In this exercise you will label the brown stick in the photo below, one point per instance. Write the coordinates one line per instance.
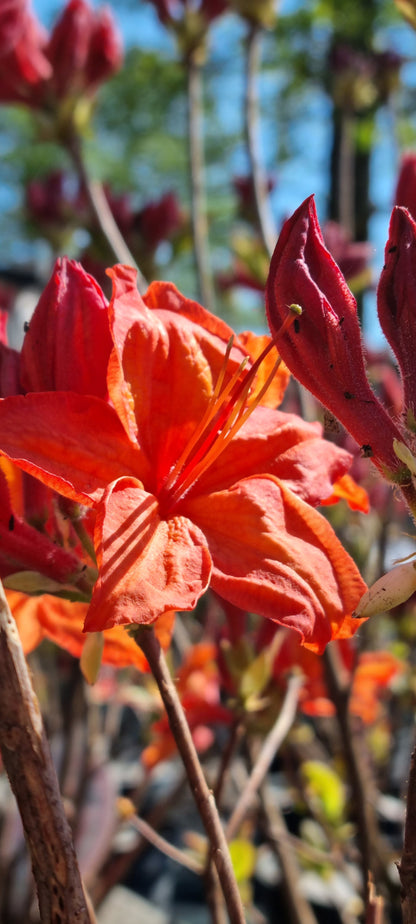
(199, 217)
(32, 776)
(267, 754)
(375, 852)
(258, 174)
(103, 215)
(299, 909)
(204, 799)
(407, 865)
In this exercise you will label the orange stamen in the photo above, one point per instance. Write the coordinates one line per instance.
(227, 411)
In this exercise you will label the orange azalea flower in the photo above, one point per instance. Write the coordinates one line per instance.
(373, 674)
(62, 622)
(194, 483)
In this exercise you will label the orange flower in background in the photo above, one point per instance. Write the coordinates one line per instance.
(62, 622)
(193, 481)
(370, 674)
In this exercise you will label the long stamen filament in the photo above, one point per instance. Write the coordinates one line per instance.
(215, 403)
(227, 411)
(237, 418)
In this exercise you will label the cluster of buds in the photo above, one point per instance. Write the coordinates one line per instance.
(56, 204)
(41, 70)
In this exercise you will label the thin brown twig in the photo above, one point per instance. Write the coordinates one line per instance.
(32, 776)
(212, 885)
(270, 747)
(199, 218)
(252, 130)
(375, 853)
(375, 906)
(298, 907)
(102, 213)
(174, 853)
(407, 865)
(204, 799)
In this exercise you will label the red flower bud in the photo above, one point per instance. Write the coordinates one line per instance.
(105, 53)
(406, 184)
(84, 48)
(323, 347)
(23, 65)
(68, 47)
(68, 343)
(396, 300)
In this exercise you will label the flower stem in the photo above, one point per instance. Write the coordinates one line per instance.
(375, 853)
(32, 776)
(261, 196)
(407, 865)
(102, 213)
(197, 179)
(205, 802)
(267, 754)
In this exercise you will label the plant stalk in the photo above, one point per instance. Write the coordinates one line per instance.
(199, 220)
(102, 213)
(252, 130)
(204, 799)
(28, 763)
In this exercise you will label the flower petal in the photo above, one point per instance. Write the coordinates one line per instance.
(345, 487)
(164, 368)
(73, 443)
(276, 556)
(22, 547)
(62, 622)
(146, 565)
(274, 443)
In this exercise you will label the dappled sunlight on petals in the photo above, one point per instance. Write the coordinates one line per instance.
(146, 565)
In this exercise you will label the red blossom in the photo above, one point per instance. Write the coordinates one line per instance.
(158, 220)
(191, 483)
(62, 622)
(70, 320)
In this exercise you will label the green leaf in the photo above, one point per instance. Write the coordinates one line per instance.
(326, 790)
(34, 583)
(243, 857)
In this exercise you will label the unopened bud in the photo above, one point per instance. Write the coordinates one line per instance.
(393, 588)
